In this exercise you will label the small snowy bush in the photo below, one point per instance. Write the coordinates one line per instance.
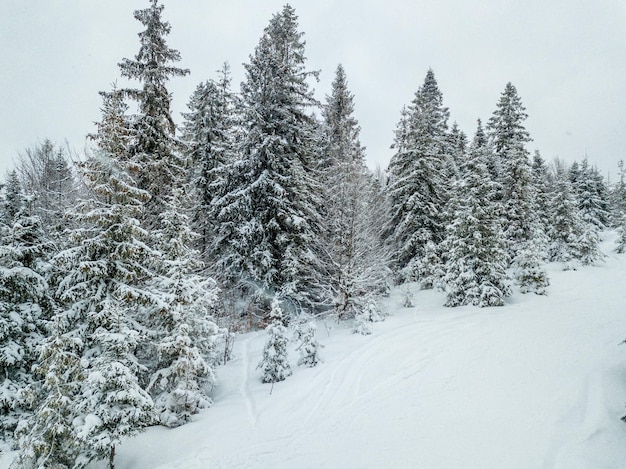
(275, 363)
(309, 346)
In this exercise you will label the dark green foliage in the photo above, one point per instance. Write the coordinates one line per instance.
(209, 137)
(417, 187)
(474, 248)
(26, 306)
(268, 215)
(153, 145)
(507, 132)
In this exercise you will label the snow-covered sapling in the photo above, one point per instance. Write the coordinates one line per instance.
(621, 241)
(530, 273)
(365, 316)
(588, 246)
(309, 346)
(408, 298)
(275, 362)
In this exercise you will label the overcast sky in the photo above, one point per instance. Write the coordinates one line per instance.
(566, 58)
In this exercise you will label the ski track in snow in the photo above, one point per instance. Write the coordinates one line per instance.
(244, 387)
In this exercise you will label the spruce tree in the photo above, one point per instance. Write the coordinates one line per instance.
(541, 183)
(506, 126)
(509, 136)
(475, 254)
(45, 173)
(184, 332)
(268, 215)
(366, 317)
(356, 259)
(618, 197)
(309, 346)
(417, 176)
(11, 198)
(153, 145)
(26, 306)
(621, 240)
(111, 403)
(275, 365)
(589, 245)
(530, 274)
(567, 226)
(209, 136)
(457, 146)
(573, 174)
(47, 439)
(592, 196)
(114, 130)
(106, 269)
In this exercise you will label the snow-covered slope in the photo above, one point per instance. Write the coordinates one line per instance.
(540, 383)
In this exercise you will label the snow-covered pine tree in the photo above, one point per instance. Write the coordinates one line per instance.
(507, 131)
(184, 333)
(47, 438)
(618, 197)
(589, 245)
(592, 194)
(209, 135)
(457, 146)
(114, 130)
(362, 324)
(269, 220)
(408, 297)
(506, 126)
(106, 271)
(572, 237)
(45, 173)
(566, 227)
(366, 316)
(573, 174)
(603, 195)
(541, 183)
(111, 404)
(25, 306)
(475, 254)
(275, 362)
(530, 273)
(11, 198)
(417, 184)
(154, 146)
(621, 241)
(341, 128)
(356, 258)
(309, 346)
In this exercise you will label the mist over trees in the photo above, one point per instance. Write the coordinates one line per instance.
(123, 272)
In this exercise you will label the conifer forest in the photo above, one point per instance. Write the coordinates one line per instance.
(128, 273)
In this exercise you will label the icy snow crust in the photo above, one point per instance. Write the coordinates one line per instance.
(539, 383)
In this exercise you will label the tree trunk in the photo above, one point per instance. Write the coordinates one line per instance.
(112, 457)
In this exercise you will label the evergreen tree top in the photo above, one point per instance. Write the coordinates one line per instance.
(428, 109)
(506, 124)
(341, 126)
(153, 67)
(279, 60)
(150, 62)
(480, 137)
(114, 129)
(12, 198)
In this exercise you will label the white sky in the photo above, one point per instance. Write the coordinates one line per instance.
(566, 58)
